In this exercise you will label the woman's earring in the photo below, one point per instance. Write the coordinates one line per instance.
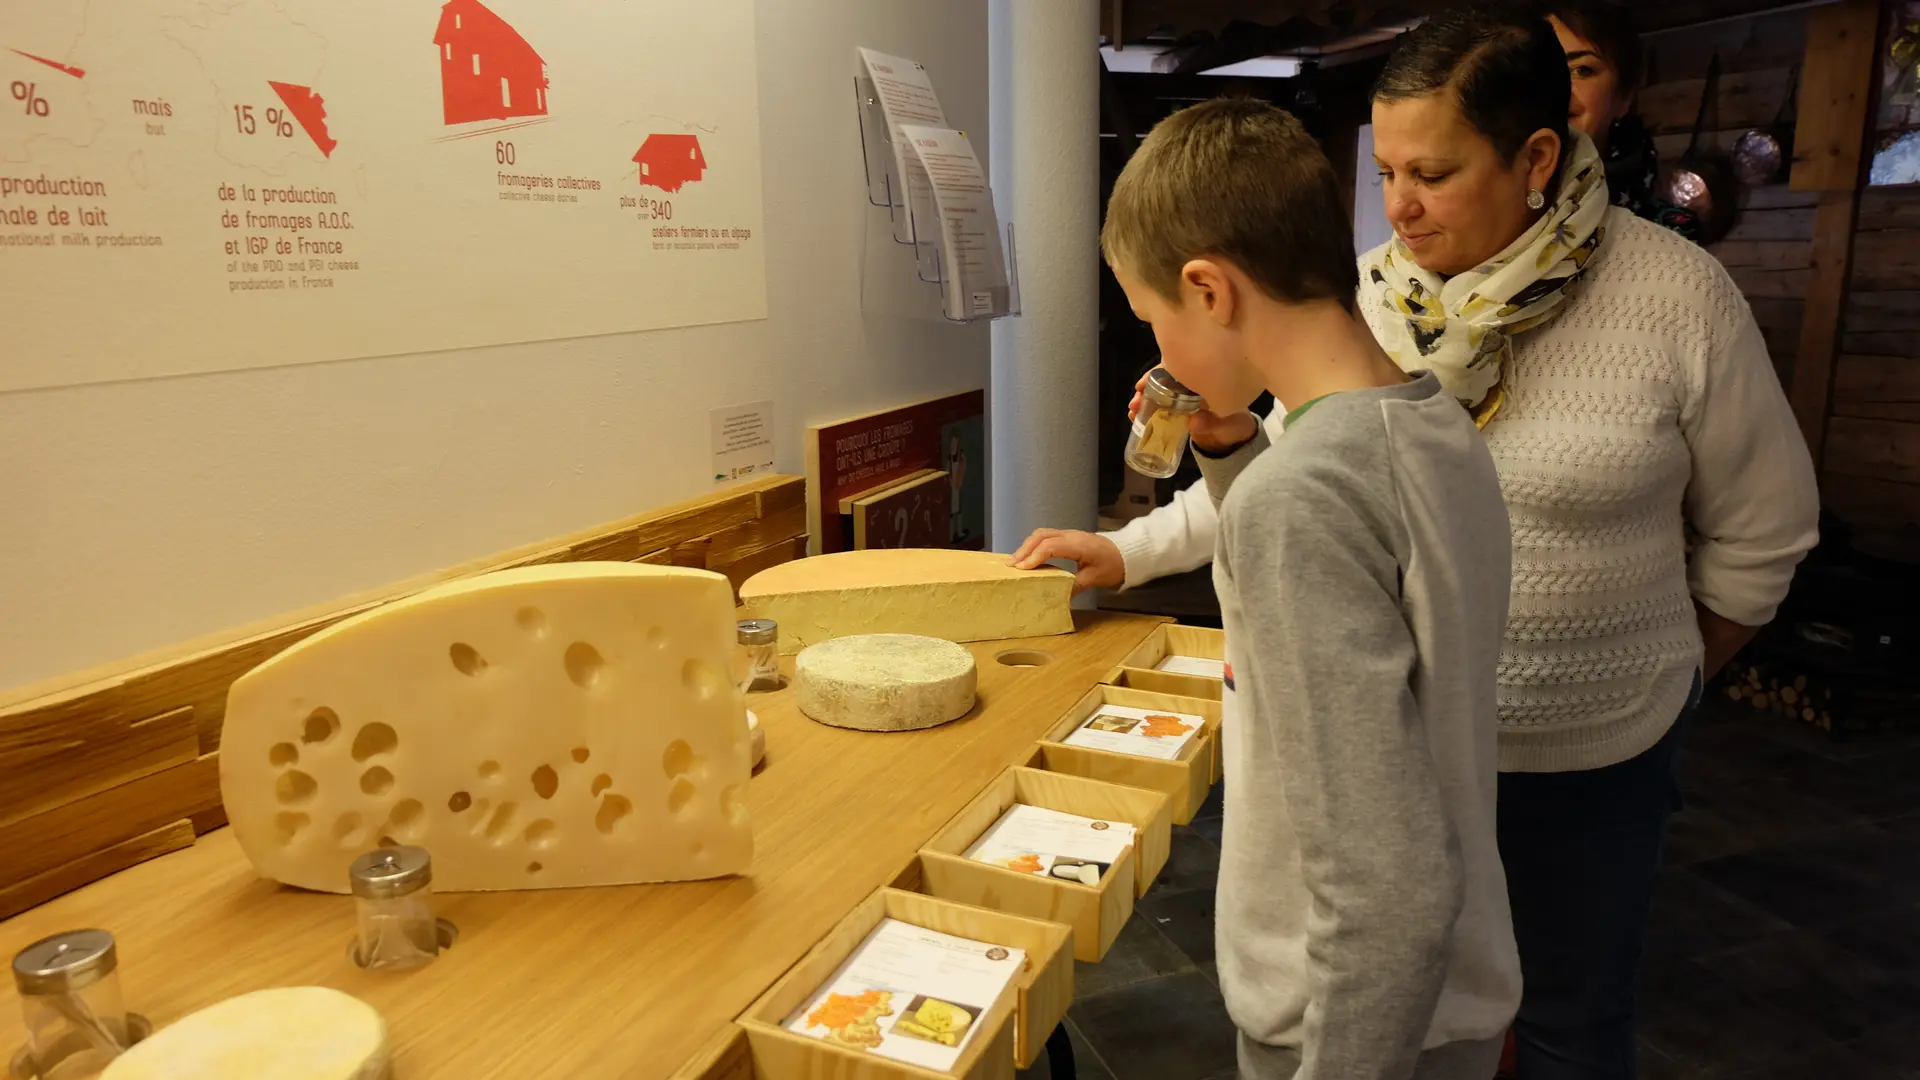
(1536, 198)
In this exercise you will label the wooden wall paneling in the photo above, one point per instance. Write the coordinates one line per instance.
(1886, 260)
(1870, 502)
(1878, 387)
(1836, 90)
(1836, 94)
(89, 868)
(1875, 449)
(1759, 43)
(1789, 224)
(1745, 99)
(1764, 254)
(1889, 208)
(91, 768)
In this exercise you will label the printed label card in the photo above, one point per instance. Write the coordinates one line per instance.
(1140, 732)
(1048, 843)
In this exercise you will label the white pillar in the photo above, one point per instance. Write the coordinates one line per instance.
(1044, 156)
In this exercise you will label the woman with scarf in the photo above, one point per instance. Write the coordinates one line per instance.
(1622, 386)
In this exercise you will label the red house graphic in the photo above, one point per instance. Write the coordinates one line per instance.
(487, 70)
(670, 162)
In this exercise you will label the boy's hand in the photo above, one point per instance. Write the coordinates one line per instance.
(1216, 434)
(1098, 558)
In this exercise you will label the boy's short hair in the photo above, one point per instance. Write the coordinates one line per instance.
(1241, 180)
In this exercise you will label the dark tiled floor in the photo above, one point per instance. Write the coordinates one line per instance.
(1785, 942)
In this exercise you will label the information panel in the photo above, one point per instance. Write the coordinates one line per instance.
(203, 185)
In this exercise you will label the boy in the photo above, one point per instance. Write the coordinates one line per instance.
(1362, 571)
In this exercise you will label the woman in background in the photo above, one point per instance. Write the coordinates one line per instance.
(1604, 63)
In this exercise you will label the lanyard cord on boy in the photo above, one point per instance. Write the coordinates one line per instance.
(1461, 328)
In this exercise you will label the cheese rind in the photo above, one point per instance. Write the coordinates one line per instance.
(288, 1033)
(935, 592)
(545, 727)
(885, 682)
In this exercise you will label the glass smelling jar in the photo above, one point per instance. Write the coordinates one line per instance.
(1159, 438)
(758, 661)
(393, 897)
(70, 989)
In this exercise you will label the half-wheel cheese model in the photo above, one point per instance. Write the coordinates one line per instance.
(287, 1033)
(935, 592)
(536, 728)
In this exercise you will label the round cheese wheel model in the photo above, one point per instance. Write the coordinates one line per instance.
(885, 682)
(289, 1033)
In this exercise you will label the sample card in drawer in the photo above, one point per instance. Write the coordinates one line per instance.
(1140, 732)
(911, 994)
(1048, 843)
(1193, 665)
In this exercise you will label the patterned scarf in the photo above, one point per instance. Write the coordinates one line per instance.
(1461, 328)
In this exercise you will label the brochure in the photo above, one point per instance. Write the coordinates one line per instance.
(1048, 843)
(1141, 732)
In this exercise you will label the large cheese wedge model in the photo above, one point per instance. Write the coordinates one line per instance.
(935, 592)
(885, 682)
(533, 728)
(288, 1033)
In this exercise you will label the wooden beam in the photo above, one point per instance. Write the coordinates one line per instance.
(1835, 111)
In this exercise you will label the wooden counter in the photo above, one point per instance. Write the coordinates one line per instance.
(637, 981)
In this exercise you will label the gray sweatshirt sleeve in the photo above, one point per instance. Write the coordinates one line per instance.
(1327, 654)
(1220, 472)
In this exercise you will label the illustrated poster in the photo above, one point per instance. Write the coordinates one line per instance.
(204, 185)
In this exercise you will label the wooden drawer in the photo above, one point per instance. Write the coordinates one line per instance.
(1185, 781)
(1095, 912)
(1137, 669)
(1040, 994)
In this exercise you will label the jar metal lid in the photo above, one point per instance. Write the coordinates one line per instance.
(65, 962)
(1168, 393)
(387, 873)
(759, 632)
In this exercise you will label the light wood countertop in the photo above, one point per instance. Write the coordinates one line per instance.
(631, 982)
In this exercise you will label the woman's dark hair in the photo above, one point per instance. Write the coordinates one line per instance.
(1609, 26)
(1502, 63)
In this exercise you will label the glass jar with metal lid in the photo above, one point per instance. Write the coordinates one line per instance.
(70, 989)
(1159, 438)
(393, 897)
(758, 663)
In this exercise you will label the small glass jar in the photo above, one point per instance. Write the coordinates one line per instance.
(759, 656)
(1159, 438)
(393, 897)
(70, 989)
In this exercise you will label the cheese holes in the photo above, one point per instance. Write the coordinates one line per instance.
(346, 829)
(322, 724)
(295, 787)
(600, 784)
(406, 818)
(466, 658)
(489, 770)
(373, 740)
(532, 620)
(733, 803)
(613, 810)
(376, 781)
(480, 808)
(581, 754)
(288, 826)
(459, 801)
(283, 754)
(534, 868)
(583, 664)
(680, 796)
(540, 834)
(678, 759)
(501, 823)
(388, 841)
(700, 679)
(656, 637)
(545, 781)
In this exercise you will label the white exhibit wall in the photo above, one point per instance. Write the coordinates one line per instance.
(137, 515)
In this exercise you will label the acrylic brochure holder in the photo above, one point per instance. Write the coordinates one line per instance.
(915, 228)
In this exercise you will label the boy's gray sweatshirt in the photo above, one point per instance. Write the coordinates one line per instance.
(1363, 573)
